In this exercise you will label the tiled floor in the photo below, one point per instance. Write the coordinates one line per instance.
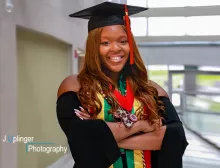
(199, 154)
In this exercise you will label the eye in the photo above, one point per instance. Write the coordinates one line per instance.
(123, 42)
(105, 43)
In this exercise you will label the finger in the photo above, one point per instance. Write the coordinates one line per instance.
(83, 110)
(81, 117)
(157, 123)
(82, 113)
(161, 124)
(85, 113)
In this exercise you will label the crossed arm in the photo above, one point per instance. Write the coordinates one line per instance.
(126, 138)
(141, 136)
(146, 141)
(150, 139)
(170, 140)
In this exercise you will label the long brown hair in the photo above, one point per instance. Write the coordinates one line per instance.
(92, 77)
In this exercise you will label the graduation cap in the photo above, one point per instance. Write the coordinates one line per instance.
(107, 14)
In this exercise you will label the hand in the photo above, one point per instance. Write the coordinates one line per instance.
(157, 123)
(82, 113)
(145, 126)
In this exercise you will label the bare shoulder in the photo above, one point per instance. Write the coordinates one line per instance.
(70, 83)
(161, 91)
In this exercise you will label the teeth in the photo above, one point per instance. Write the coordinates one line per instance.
(115, 58)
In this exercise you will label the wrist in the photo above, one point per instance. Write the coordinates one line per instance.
(139, 126)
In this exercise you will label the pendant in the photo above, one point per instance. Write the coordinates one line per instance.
(126, 117)
(133, 117)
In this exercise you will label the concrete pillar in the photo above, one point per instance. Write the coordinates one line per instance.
(8, 84)
(190, 78)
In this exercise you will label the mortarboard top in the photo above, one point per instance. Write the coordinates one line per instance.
(107, 14)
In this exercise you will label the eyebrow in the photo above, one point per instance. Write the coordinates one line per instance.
(121, 36)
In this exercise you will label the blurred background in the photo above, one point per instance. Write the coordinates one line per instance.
(179, 41)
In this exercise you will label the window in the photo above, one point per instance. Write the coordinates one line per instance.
(203, 25)
(142, 3)
(208, 83)
(159, 74)
(202, 2)
(176, 100)
(180, 26)
(178, 82)
(176, 67)
(157, 67)
(209, 68)
(166, 26)
(203, 103)
(181, 3)
(139, 26)
(165, 3)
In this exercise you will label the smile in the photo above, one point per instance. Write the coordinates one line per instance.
(115, 59)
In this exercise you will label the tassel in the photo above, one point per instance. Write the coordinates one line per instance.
(127, 24)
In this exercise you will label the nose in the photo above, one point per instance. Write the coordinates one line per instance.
(115, 47)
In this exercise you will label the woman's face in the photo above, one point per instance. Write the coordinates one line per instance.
(114, 48)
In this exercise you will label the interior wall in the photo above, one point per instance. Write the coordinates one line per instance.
(0, 82)
(42, 64)
(8, 79)
(49, 17)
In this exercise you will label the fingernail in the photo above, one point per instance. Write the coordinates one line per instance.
(81, 108)
(76, 110)
(78, 115)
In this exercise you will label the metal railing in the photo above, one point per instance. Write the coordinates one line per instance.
(201, 114)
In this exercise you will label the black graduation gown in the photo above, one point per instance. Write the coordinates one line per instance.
(92, 143)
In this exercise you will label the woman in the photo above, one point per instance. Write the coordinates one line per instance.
(111, 112)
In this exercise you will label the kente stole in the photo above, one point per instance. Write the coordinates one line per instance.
(134, 158)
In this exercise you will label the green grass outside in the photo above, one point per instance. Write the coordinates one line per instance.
(205, 80)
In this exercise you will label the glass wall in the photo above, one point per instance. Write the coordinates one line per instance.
(159, 74)
(181, 3)
(172, 3)
(208, 83)
(199, 109)
(176, 26)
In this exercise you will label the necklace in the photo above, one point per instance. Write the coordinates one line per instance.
(125, 101)
(125, 104)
